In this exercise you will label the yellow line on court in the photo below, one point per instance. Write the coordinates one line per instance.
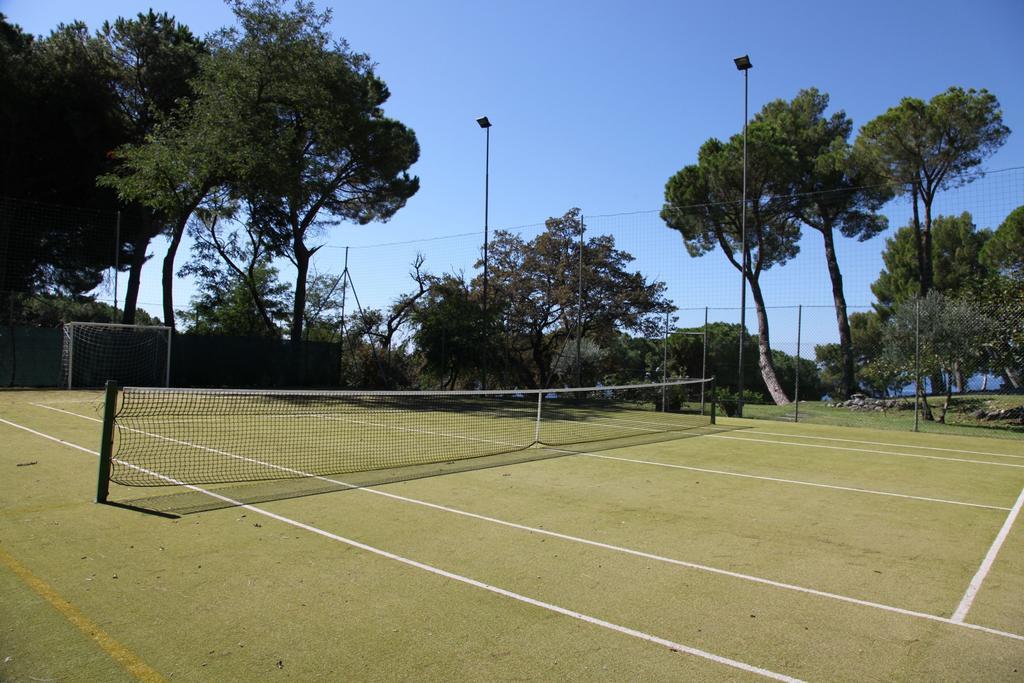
(118, 652)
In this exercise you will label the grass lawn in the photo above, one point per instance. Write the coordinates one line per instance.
(959, 418)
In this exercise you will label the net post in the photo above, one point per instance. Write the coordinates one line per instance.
(70, 327)
(107, 443)
(536, 430)
(714, 401)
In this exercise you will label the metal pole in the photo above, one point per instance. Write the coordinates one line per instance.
(344, 291)
(536, 429)
(664, 363)
(704, 360)
(796, 387)
(917, 362)
(117, 260)
(579, 313)
(106, 442)
(487, 200)
(69, 331)
(743, 249)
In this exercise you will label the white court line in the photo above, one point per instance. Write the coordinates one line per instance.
(881, 443)
(98, 400)
(990, 557)
(794, 481)
(865, 450)
(629, 551)
(703, 654)
(682, 467)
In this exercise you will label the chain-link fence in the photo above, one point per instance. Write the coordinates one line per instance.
(581, 300)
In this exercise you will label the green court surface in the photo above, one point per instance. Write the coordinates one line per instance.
(749, 550)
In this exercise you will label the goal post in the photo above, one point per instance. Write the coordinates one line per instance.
(131, 355)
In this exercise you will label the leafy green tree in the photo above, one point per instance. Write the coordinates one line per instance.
(225, 303)
(58, 119)
(51, 310)
(704, 203)
(314, 145)
(1000, 298)
(686, 357)
(228, 250)
(172, 174)
(536, 284)
(956, 261)
(325, 306)
(873, 375)
(928, 147)
(1005, 251)
(448, 333)
(952, 334)
(387, 332)
(834, 191)
(152, 61)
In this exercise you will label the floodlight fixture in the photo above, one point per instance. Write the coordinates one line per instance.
(484, 123)
(743, 63)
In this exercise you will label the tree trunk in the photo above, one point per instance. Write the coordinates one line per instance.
(945, 404)
(927, 278)
(847, 381)
(302, 255)
(131, 295)
(918, 244)
(764, 348)
(926, 410)
(168, 270)
(1012, 377)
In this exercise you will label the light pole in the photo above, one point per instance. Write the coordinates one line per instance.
(486, 125)
(743, 64)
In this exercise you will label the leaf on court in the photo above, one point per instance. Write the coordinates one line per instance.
(27, 464)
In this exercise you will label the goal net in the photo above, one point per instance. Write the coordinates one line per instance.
(132, 355)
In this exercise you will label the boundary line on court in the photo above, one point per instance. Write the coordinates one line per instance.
(672, 645)
(990, 557)
(638, 553)
(864, 450)
(127, 659)
(797, 482)
(882, 443)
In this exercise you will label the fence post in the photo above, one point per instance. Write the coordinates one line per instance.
(796, 382)
(664, 362)
(704, 360)
(117, 261)
(107, 443)
(714, 401)
(917, 362)
(579, 311)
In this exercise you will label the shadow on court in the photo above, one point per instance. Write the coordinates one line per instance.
(184, 502)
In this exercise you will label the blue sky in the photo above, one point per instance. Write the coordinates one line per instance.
(595, 104)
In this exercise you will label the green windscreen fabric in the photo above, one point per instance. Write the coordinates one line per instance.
(30, 356)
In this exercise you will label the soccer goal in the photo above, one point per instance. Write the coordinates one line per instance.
(133, 355)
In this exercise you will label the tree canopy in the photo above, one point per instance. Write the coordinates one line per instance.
(535, 285)
(832, 190)
(927, 147)
(956, 261)
(703, 202)
(1004, 252)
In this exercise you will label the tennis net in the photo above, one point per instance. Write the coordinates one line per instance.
(199, 436)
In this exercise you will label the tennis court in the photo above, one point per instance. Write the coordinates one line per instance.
(744, 550)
